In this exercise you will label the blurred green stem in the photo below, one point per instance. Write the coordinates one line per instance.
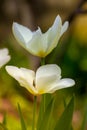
(34, 112)
(43, 63)
(44, 101)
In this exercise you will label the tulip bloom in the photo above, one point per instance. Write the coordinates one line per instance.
(46, 80)
(4, 57)
(38, 43)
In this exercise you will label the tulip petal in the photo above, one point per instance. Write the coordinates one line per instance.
(64, 27)
(4, 51)
(42, 44)
(24, 76)
(22, 34)
(4, 57)
(63, 83)
(36, 45)
(53, 34)
(46, 76)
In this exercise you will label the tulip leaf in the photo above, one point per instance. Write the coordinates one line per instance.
(23, 126)
(41, 112)
(45, 122)
(84, 123)
(64, 123)
(4, 120)
(3, 124)
(48, 98)
(65, 105)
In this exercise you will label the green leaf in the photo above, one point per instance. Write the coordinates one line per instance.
(40, 113)
(64, 123)
(23, 126)
(45, 122)
(4, 120)
(84, 123)
(48, 98)
(65, 105)
(3, 124)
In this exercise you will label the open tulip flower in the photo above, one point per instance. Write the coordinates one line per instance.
(46, 80)
(38, 43)
(4, 57)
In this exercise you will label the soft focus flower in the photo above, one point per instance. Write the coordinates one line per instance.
(38, 43)
(46, 80)
(4, 57)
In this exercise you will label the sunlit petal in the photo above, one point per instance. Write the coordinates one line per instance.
(28, 74)
(47, 79)
(63, 83)
(38, 43)
(24, 76)
(21, 33)
(54, 34)
(46, 76)
(64, 27)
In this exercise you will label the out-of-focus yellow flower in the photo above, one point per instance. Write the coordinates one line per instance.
(4, 57)
(46, 80)
(38, 43)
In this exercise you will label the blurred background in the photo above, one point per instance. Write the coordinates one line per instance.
(70, 55)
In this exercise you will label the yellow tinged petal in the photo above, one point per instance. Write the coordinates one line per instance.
(47, 75)
(38, 43)
(24, 76)
(63, 83)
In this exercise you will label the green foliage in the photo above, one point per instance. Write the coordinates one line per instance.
(65, 105)
(64, 123)
(45, 121)
(48, 98)
(40, 113)
(84, 123)
(4, 120)
(23, 126)
(3, 124)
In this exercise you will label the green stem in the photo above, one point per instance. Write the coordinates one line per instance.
(34, 112)
(44, 101)
(42, 61)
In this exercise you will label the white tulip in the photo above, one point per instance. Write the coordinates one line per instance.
(38, 43)
(4, 57)
(46, 80)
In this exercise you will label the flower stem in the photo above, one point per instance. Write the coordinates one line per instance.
(44, 101)
(42, 61)
(34, 112)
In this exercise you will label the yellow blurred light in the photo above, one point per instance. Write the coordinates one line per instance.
(80, 29)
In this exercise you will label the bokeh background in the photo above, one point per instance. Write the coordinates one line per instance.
(70, 55)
